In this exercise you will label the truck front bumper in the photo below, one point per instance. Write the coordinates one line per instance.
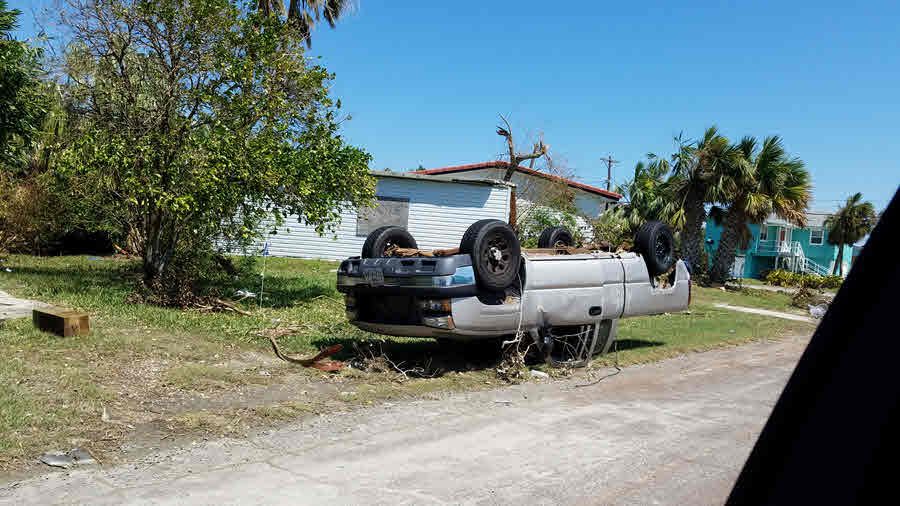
(451, 276)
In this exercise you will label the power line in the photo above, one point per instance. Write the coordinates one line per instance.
(609, 163)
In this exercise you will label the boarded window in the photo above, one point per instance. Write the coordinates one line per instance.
(388, 211)
(816, 236)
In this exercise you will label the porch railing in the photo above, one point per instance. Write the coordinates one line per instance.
(780, 247)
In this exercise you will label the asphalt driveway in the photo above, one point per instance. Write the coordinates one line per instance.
(674, 432)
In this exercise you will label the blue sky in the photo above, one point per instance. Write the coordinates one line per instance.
(425, 80)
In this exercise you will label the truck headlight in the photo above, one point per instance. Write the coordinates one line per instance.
(439, 322)
(435, 305)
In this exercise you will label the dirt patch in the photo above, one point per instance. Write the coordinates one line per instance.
(153, 403)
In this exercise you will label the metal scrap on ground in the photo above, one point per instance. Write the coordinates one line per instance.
(65, 460)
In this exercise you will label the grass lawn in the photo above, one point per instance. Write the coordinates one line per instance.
(161, 372)
(704, 326)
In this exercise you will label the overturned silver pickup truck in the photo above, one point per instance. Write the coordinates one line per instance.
(492, 288)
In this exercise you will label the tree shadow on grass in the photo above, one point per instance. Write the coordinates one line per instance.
(124, 278)
(285, 292)
(76, 277)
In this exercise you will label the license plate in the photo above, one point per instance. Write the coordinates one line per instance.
(375, 278)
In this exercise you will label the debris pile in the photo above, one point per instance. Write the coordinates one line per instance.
(805, 297)
(370, 357)
(395, 251)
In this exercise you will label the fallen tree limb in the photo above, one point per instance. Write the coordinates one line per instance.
(311, 362)
(123, 252)
(232, 307)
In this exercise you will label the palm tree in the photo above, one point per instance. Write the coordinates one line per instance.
(697, 180)
(853, 221)
(305, 13)
(765, 181)
(646, 193)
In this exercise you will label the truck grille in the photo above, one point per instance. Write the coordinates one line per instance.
(392, 309)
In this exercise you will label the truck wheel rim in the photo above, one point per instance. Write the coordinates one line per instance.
(489, 254)
(663, 248)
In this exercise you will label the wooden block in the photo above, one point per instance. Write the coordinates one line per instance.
(62, 322)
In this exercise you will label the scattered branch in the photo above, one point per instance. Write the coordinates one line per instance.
(382, 363)
(311, 362)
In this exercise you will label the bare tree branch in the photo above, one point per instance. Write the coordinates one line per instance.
(540, 149)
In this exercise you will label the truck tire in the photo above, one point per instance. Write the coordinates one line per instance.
(656, 243)
(495, 252)
(382, 238)
(555, 236)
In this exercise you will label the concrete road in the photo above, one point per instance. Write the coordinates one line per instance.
(675, 432)
(11, 307)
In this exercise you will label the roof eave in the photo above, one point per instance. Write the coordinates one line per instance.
(499, 164)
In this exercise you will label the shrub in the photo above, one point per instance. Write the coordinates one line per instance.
(811, 281)
(540, 218)
(832, 281)
(29, 217)
(611, 227)
(779, 277)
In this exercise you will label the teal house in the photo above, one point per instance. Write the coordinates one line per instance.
(777, 244)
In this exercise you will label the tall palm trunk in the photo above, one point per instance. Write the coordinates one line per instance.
(723, 259)
(692, 233)
(839, 264)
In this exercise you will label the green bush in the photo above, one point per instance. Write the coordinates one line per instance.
(779, 277)
(812, 281)
(832, 281)
(541, 218)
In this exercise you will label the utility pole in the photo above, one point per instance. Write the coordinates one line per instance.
(609, 163)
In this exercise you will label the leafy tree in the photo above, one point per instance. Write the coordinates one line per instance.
(193, 121)
(853, 221)
(765, 181)
(698, 178)
(304, 14)
(22, 101)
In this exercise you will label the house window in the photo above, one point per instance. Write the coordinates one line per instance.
(816, 236)
(763, 233)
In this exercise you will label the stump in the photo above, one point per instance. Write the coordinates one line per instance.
(62, 322)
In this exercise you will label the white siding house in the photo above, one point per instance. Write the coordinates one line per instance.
(436, 210)
(531, 184)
